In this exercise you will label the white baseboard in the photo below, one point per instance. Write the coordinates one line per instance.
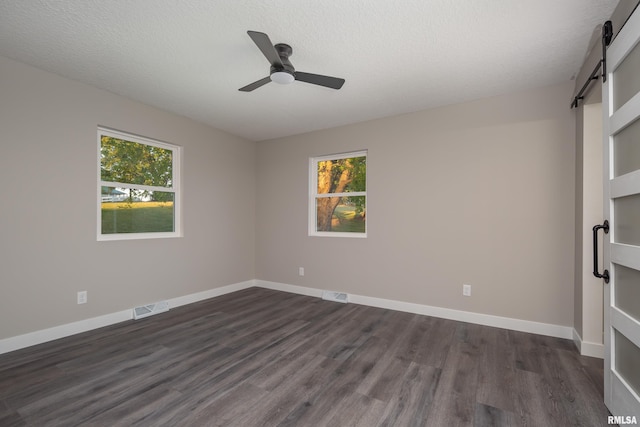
(587, 348)
(300, 290)
(56, 332)
(211, 293)
(50, 334)
(558, 331)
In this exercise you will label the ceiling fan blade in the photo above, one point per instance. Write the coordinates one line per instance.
(266, 47)
(317, 79)
(255, 85)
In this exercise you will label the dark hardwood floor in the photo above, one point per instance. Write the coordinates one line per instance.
(264, 358)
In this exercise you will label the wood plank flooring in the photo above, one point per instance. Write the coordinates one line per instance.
(265, 358)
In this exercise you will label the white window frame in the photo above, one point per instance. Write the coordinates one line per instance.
(175, 188)
(313, 194)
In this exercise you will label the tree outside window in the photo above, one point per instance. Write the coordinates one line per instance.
(339, 195)
(138, 191)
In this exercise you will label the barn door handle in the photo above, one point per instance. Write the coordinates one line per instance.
(605, 273)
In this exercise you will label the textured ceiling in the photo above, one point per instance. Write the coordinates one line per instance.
(190, 57)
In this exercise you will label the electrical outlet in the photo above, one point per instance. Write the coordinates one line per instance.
(82, 297)
(466, 290)
(300, 271)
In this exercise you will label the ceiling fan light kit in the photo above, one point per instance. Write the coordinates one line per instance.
(282, 77)
(282, 71)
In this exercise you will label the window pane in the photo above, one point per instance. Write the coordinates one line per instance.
(341, 214)
(627, 149)
(134, 163)
(627, 291)
(627, 360)
(626, 79)
(342, 175)
(127, 210)
(627, 211)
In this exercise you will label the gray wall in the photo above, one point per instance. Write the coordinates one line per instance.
(479, 193)
(48, 217)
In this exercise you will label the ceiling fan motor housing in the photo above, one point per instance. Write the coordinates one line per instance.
(284, 51)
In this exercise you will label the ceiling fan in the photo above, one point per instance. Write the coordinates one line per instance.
(282, 70)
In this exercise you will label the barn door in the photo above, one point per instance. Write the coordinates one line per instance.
(621, 106)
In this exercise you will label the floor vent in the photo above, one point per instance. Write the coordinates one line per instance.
(335, 296)
(150, 309)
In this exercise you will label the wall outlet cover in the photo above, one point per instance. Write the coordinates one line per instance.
(466, 290)
(82, 297)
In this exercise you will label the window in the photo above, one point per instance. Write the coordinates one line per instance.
(138, 187)
(338, 195)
